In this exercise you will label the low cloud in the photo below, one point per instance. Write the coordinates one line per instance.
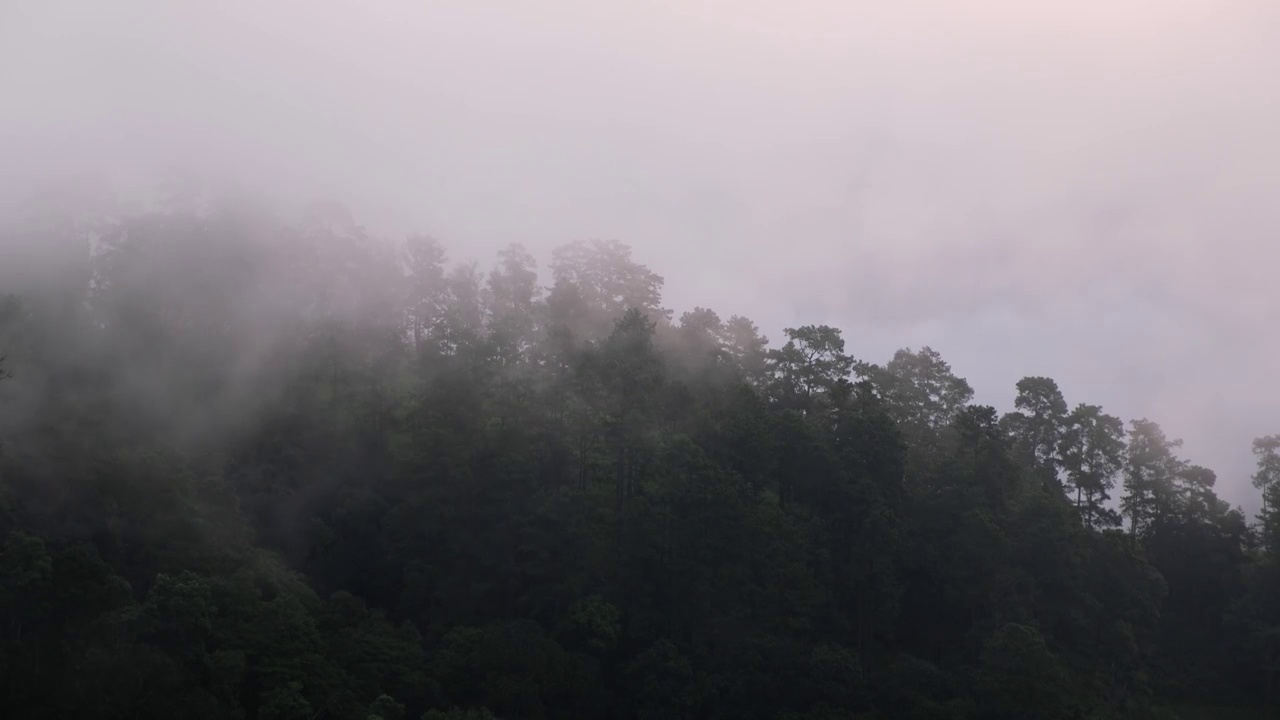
(1083, 192)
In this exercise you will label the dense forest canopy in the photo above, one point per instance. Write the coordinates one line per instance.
(252, 468)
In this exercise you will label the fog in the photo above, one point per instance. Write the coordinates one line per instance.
(1078, 192)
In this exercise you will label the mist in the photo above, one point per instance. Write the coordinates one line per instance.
(424, 342)
(1079, 192)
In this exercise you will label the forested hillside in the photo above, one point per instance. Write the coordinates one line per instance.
(278, 470)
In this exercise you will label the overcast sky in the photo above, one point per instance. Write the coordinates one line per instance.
(1086, 191)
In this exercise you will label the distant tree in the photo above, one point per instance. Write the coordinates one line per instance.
(1092, 451)
(747, 348)
(1267, 480)
(631, 374)
(608, 282)
(700, 333)
(1150, 470)
(461, 326)
(810, 367)
(269, 469)
(924, 397)
(512, 296)
(425, 296)
(1038, 424)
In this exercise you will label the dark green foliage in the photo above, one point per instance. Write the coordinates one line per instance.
(252, 471)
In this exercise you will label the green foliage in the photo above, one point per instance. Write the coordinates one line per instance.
(459, 714)
(385, 707)
(253, 470)
(595, 623)
(1020, 676)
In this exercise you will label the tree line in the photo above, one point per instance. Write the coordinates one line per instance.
(260, 469)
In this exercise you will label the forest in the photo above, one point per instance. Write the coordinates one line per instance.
(265, 468)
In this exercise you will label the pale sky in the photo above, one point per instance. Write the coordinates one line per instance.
(1081, 190)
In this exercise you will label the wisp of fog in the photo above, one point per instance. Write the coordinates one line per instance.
(1077, 191)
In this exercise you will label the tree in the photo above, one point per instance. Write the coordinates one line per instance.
(260, 468)
(810, 367)
(924, 397)
(1267, 480)
(459, 714)
(632, 374)
(425, 287)
(1151, 470)
(747, 349)
(511, 297)
(461, 325)
(1038, 423)
(608, 282)
(1092, 451)
(660, 683)
(699, 336)
(1021, 678)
